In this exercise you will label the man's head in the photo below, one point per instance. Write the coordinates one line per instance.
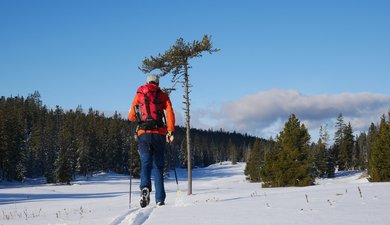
(152, 79)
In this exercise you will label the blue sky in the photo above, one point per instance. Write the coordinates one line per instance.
(312, 58)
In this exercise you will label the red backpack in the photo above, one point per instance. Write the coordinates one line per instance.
(149, 111)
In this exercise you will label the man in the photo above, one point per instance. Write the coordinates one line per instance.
(154, 129)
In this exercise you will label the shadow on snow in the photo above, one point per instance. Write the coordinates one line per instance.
(11, 198)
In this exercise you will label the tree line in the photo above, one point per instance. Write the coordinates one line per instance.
(293, 161)
(36, 141)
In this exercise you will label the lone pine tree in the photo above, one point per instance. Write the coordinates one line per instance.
(176, 61)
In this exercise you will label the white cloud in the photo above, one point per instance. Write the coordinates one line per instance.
(265, 113)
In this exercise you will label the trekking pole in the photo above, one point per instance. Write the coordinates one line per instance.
(177, 183)
(130, 168)
(174, 169)
(130, 180)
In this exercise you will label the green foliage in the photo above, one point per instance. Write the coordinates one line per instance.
(320, 158)
(379, 161)
(13, 149)
(330, 164)
(360, 154)
(232, 149)
(134, 160)
(269, 170)
(323, 165)
(36, 141)
(338, 138)
(346, 148)
(66, 161)
(176, 58)
(344, 145)
(290, 163)
(210, 146)
(255, 161)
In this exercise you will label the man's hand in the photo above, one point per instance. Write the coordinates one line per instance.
(169, 137)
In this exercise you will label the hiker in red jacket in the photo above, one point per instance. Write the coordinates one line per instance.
(153, 113)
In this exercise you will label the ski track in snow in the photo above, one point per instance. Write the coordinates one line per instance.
(134, 217)
(121, 218)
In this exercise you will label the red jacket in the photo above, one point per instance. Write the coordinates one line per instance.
(170, 115)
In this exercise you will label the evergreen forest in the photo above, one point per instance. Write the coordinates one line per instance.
(293, 161)
(36, 141)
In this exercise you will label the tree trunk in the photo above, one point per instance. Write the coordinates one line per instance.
(187, 98)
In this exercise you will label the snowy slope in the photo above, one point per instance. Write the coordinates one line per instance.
(221, 196)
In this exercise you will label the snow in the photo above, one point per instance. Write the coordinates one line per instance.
(221, 195)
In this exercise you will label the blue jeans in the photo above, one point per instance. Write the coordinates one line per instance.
(152, 154)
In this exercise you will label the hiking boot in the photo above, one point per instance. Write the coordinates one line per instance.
(160, 203)
(145, 197)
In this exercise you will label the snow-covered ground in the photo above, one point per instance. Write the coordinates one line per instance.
(221, 195)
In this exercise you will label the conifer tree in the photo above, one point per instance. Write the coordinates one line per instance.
(3, 138)
(330, 163)
(379, 162)
(290, 164)
(196, 149)
(372, 135)
(176, 62)
(83, 160)
(51, 148)
(232, 149)
(37, 159)
(134, 160)
(338, 138)
(344, 144)
(320, 158)
(13, 136)
(360, 156)
(269, 171)
(329, 155)
(320, 152)
(66, 161)
(347, 148)
(255, 161)
(97, 140)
